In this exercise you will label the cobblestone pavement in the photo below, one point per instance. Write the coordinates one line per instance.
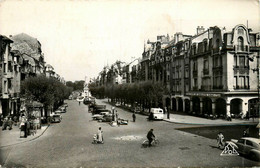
(69, 144)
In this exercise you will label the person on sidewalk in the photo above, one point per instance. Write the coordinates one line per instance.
(229, 116)
(134, 117)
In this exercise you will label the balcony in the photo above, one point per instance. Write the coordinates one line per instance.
(205, 88)
(241, 48)
(8, 74)
(238, 87)
(241, 69)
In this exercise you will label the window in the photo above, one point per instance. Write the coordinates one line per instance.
(249, 143)
(242, 61)
(240, 43)
(235, 80)
(242, 141)
(242, 81)
(206, 64)
(240, 31)
(235, 60)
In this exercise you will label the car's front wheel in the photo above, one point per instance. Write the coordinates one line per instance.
(253, 156)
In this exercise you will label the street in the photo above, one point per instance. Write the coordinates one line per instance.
(69, 144)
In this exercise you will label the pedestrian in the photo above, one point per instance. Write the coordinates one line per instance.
(247, 115)
(15, 120)
(25, 129)
(10, 123)
(151, 116)
(5, 123)
(134, 117)
(165, 110)
(1, 119)
(116, 115)
(150, 136)
(220, 140)
(100, 136)
(79, 103)
(229, 116)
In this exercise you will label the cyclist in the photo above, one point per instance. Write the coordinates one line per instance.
(150, 136)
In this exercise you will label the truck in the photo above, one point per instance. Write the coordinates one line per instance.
(157, 113)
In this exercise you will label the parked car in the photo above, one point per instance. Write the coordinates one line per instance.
(80, 98)
(117, 104)
(58, 111)
(247, 146)
(62, 109)
(56, 118)
(107, 118)
(101, 115)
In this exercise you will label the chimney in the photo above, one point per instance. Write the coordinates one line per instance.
(200, 30)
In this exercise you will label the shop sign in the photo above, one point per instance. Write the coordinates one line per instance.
(204, 94)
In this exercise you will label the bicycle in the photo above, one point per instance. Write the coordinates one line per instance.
(145, 143)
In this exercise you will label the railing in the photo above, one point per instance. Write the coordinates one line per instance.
(240, 87)
(241, 48)
(218, 87)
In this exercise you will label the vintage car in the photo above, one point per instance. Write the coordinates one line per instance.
(101, 115)
(56, 118)
(247, 146)
(62, 109)
(117, 104)
(107, 118)
(122, 121)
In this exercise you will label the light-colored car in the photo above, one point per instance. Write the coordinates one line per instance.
(62, 109)
(56, 117)
(247, 146)
(80, 98)
(117, 104)
(101, 115)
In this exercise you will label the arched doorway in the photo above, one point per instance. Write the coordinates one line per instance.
(173, 104)
(187, 105)
(180, 104)
(236, 107)
(207, 106)
(221, 107)
(167, 102)
(196, 105)
(253, 107)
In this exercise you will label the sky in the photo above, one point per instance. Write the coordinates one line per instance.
(80, 37)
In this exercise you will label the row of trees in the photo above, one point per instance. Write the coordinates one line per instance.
(49, 91)
(147, 94)
(77, 85)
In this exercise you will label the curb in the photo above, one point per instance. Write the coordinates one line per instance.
(26, 140)
(209, 124)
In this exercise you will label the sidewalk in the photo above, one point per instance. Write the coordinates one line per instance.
(192, 120)
(12, 137)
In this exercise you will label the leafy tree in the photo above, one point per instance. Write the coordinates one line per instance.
(49, 91)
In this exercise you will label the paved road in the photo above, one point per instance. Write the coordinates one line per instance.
(68, 144)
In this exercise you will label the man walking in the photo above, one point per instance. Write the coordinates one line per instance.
(134, 117)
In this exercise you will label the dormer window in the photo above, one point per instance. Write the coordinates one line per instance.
(240, 43)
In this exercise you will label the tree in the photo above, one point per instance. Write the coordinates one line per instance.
(49, 91)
